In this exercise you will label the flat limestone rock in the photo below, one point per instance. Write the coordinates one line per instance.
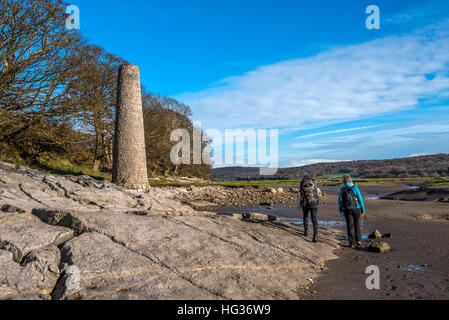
(28, 189)
(108, 270)
(21, 235)
(132, 245)
(227, 258)
(34, 279)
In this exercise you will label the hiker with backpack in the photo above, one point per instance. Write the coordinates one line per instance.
(350, 203)
(309, 203)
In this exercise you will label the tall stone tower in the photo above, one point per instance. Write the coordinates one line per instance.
(129, 164)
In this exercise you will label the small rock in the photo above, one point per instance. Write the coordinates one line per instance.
(272, 190)
(376, 234)
(9, 163)
(238, 216)
(379, 247)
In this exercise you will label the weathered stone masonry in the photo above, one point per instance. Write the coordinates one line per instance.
(129, 166)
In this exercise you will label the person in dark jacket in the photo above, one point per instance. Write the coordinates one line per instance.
(309, 203)
(352, 199)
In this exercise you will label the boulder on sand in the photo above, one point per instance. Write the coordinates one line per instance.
(376, 234)
(379, 247)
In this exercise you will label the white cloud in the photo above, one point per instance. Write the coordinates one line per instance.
(349, 82)
(300, 163)
(417, 155)
(425, 14)
(375, 139)
(335, 131)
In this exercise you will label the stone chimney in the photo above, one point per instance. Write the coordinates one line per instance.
(129, 164)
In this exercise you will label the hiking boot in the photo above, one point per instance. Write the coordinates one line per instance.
(352, 245)
(315, 240)
(359, 244)
(306, 233)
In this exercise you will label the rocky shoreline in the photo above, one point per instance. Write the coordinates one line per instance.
(209, 197)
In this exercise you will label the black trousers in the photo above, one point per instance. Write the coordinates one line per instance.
(353, 224)
(314, 214)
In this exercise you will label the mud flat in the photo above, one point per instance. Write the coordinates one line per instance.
(417, 266)
(421, 194)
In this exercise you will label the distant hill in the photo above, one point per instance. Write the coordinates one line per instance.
(422, 166)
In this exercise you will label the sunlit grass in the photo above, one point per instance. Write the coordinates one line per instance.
(59, 166)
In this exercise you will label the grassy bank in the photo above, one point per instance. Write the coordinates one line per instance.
(65, 167)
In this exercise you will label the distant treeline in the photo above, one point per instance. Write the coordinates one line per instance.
(58, 95)
(423, 166)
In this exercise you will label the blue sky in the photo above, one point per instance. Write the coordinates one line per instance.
(333, 88)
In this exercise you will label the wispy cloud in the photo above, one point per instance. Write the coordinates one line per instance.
(300, 163)
(363, 84)
(349, 82)
(375, 140)
(431, 12)
(323, 133)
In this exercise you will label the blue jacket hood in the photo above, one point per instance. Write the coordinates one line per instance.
(357, 193)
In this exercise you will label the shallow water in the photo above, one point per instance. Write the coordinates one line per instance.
(325, 223)
(415, 268)
(290, 215)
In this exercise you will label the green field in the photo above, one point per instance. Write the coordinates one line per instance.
(429, 181)
(65, 167)
(441, 184)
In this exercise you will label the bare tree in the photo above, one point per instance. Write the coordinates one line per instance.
(92, 92)
(35, 58)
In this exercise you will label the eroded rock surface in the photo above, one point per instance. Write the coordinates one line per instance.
(128, 245)
(21, 235)
(35, 278)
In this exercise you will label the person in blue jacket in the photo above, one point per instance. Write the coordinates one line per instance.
(350, 204)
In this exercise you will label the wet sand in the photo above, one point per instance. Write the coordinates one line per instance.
(417, 266)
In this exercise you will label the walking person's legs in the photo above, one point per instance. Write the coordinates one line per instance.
(314, 214)
(306, 220)
(350, 226)
(357, 213)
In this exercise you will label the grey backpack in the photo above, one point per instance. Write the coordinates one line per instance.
(309, 195)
